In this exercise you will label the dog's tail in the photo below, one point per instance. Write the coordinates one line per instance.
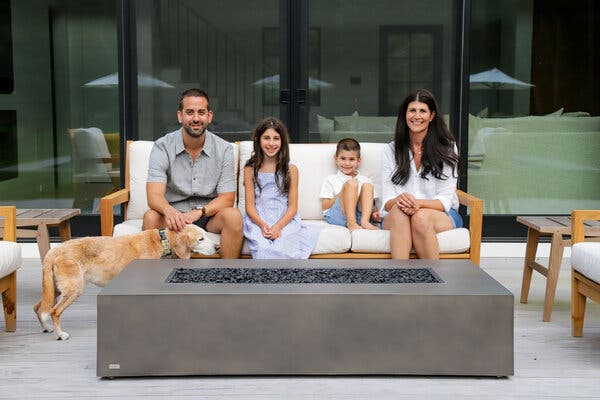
(48, 287)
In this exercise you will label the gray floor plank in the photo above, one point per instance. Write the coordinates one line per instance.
(549, 363)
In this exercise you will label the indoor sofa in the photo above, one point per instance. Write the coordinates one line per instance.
(514, 163)
(314, 162)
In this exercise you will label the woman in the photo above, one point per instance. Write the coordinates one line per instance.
(419, 176)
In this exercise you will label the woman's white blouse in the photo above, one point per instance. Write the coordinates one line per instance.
(443, 190)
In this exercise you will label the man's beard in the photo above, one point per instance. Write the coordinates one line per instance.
(193, 133)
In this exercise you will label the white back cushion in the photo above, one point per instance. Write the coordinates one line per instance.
(139, 156)
(315, 162)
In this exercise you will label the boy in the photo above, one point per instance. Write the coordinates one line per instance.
(346, 194)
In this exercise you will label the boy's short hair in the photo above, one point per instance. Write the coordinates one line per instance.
(348, 144)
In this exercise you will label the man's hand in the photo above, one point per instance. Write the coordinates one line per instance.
(176, 220)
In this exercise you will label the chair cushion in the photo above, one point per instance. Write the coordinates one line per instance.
(367, 241)
(585, 258)
(128, 227)
(10, 257)
(139, 155)
(332, 238)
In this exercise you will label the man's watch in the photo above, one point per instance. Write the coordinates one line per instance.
(203, 209)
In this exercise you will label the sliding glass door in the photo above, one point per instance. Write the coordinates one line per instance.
(229, 48)
(328, 69)
(364, 57)
(59, 108)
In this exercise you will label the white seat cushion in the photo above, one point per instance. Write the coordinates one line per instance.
(10, 257)
(332, 238)
(128, 227)
(368, 241)
(585, 258)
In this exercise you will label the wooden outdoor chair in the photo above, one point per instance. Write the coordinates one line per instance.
(585, 269)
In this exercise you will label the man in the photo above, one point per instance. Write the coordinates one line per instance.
(191, 177)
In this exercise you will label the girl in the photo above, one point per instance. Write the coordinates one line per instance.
(419, 176)
(272, 226)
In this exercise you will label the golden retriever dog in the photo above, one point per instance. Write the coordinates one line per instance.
(67, 268)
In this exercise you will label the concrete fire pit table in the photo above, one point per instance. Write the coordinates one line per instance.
(459, 322)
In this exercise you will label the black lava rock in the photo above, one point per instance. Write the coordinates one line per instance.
(301, 275)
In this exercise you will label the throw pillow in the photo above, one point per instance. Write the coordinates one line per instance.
(556, 113)
(325, 125)
(576, 114)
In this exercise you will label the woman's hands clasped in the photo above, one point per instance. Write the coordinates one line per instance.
(407, 203)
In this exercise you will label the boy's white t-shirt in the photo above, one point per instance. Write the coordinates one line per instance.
(332, 185)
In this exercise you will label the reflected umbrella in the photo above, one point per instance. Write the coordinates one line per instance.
(112, 80)
(272, 82)
(496, 80)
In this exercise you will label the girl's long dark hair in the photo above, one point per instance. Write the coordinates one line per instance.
(438, 145)
(282, 171)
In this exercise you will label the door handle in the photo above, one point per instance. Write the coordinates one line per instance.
(301, 96)
(284, 96)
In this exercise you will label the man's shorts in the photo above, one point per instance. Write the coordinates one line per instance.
(202, 222)
(335, 215)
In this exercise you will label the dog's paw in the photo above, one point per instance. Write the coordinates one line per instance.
(63, 336)
(48, 329)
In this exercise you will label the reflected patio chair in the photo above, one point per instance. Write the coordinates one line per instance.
(94, 171)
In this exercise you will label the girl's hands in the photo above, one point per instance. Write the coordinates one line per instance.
(266, 231)
(271, 232)
(275, 232)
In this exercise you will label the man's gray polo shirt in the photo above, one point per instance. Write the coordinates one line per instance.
(192, 183)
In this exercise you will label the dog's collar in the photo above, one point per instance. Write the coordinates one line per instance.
(165, 242)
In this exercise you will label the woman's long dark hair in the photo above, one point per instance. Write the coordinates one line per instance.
(283, 156)
(438, 145)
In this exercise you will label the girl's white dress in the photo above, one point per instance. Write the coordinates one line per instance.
(297, 240)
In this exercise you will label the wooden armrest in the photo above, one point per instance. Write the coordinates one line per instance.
(107, 218)
(467, 199)
(577, 218)
(113, 159)
(475, 206)
(10, 222)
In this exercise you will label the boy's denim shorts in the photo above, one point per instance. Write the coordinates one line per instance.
(335, 215)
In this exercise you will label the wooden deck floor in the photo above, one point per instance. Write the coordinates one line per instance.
(549, 363)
